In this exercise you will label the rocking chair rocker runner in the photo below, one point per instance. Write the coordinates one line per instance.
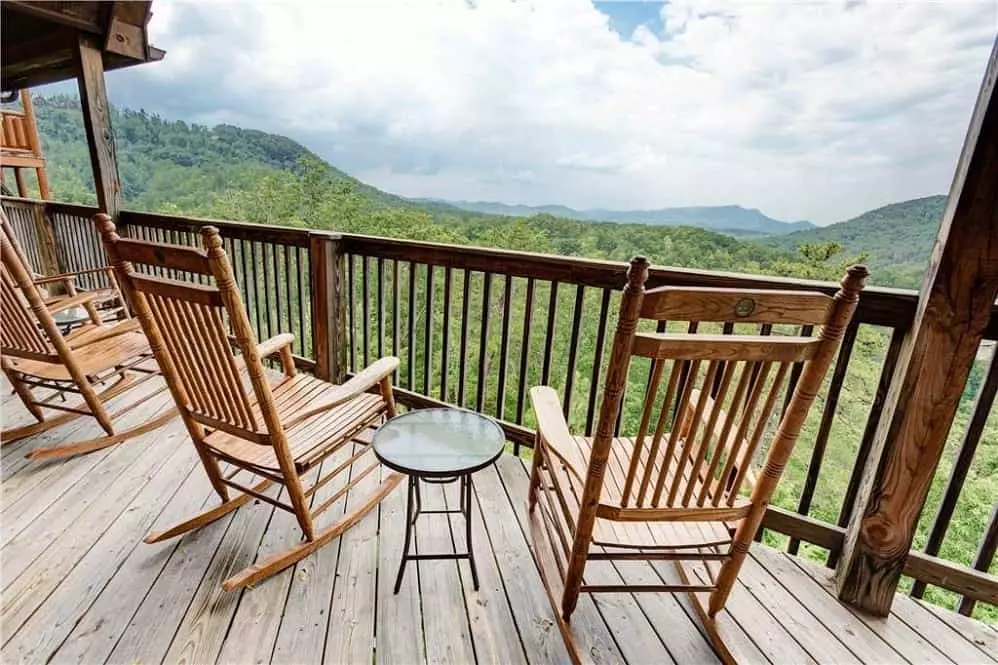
(267, 433)
(98, 361)
(673, 492)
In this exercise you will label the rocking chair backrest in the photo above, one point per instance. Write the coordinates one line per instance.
(23, 331)
(701, 427)
(188, 325)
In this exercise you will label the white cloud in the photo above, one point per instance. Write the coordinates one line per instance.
(806, 110)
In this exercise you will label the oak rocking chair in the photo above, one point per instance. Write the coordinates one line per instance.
(275, 430)
(674, 491)
(97, 361)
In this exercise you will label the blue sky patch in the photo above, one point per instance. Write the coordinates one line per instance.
(627, 15)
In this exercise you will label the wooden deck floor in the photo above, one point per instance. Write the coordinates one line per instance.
(79, 586)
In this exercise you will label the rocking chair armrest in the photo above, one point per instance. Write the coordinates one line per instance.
(552, 427)
(360, 383)
(62, 277)
(274, 344)
(367, 378)
(72, 301)
(103, 332)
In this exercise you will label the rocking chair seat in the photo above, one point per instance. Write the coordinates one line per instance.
(625, 534)
(309, 438)
(93, 358)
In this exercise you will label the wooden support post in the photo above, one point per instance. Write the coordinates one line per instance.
(328, 307)
(97, 122)
(48, 252)
(956, 300)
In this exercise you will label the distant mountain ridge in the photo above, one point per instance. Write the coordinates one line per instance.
(730, 218)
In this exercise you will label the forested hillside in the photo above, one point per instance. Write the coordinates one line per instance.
(896, 239)
(232, 173)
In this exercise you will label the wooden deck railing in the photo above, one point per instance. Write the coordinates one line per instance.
(477, 327)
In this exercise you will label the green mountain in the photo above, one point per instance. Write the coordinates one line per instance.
(733, 219)
(896, 239)
(171, 163)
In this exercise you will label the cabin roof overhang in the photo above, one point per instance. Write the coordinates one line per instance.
(39, 39)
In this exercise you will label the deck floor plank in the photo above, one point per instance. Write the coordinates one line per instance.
(445, 615)
(350, 636)
(202, 632)
(35, 562)
(984, 639)
(819, 639)
(595, 642)
(493, 630)
(895, 636)
(56, 617)
(399, 625)
(151, 629)
(105, 621)
(529, 604)
(302, 633)
(82, 587)
(957, 646)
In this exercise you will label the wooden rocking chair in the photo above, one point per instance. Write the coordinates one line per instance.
(268, 433)
(98, 361)
(673, 492)
(104, 304)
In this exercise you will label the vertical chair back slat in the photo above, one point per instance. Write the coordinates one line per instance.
(194, 334)
(695, 444)
(23, 333)
(190, 323)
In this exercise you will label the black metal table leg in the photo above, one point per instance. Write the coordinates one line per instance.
(410, 521)
(466, 509)
(414, 508)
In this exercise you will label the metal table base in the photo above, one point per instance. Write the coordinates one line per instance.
(414, 508)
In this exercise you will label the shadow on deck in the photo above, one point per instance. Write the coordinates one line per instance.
(80, 586)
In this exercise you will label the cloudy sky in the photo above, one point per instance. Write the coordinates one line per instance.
(806, 110)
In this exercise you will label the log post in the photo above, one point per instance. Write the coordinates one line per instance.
(97, 122)
(956, 300)
(48, 250)
(328, 307)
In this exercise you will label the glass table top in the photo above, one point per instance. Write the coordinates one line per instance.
(439, 442)
(71, 315)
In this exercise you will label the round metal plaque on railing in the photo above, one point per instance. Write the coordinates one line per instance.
(744, 307)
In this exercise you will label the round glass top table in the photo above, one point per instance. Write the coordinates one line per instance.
(70, 317)
(438, 446)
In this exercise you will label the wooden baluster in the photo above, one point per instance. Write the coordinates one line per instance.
(598, 360)
(428, 332)
(411, 330)
(504, 348)
(549, 337)
(573, 348)
(961, 466)
(463, 351)
(381, 306)
(445, 341)
(365, 308)
(825, 427)
(483, 343)
(869, 431)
